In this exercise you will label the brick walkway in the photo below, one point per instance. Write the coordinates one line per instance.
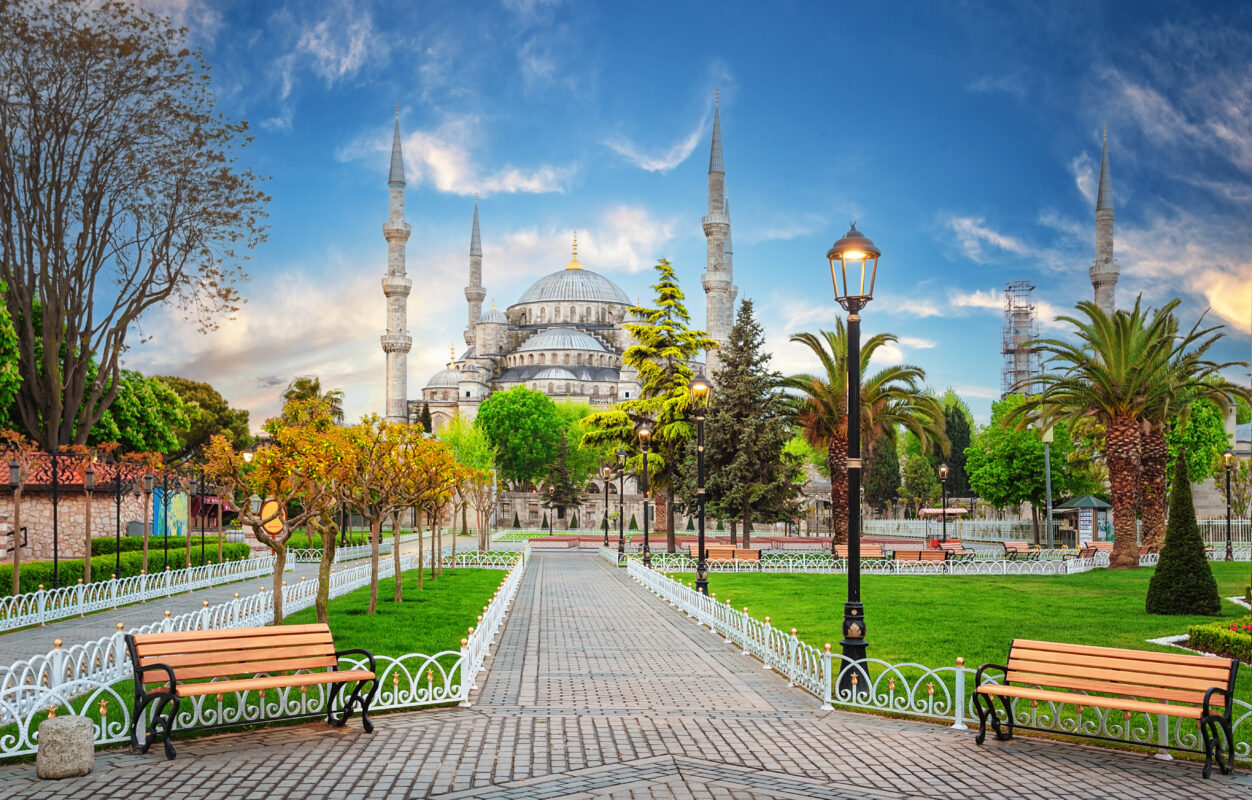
(597, 690)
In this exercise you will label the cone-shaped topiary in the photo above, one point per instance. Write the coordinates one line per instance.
(634, 526)
(1183, 582)
(517, 522)
(691, 523)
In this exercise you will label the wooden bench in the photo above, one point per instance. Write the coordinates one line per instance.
(1014, 549)
(867, 551)
(1131, 681)
(955, 549)
(934, 556)
(719, 552)
(1099, 547)
(172, 666)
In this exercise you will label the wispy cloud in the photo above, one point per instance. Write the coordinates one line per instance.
(623, 238)
(918, 343)
(979, 298)
(1008, 83)
(974, 235)
(201, 18)
(665, 160)
(908, 306)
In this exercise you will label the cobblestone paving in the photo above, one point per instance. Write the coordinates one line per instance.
(598, 690)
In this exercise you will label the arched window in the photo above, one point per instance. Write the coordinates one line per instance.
(550, 390)
(567, 358)
(573, 312)
(595, 390)
(530, 359)
(587, 316)
(556, 314)
(541, 359)
(543, 315)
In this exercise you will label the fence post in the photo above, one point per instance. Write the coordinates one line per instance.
(41, 605)
(466, 678)
(113, 589)
(119, 652)
(57, 676)
(80, 597)
(959, 721)
(826, 679)
(791, 658)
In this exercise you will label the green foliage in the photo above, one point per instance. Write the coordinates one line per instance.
(958, 424)
(107, 546)
(920, 485)
(35, 573)
(1240, 485)
(1243, 411)
(524, 427)
(691, 523)
(563, 491)
(469, 444)
(517, 521)
(544, 524)
(633, 526)
(146, 417)
(428, 424)
(308, 387)
(207, 414)
(882, 473)
(800, 447)
(1200, 437)
(1232, 639)
(720, 526)
(10, 375)
(573, 521)
(1183, 583)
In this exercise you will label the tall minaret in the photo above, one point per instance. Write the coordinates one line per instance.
(1104, 271)
(396, 342)
(474, 292)
(718, 279)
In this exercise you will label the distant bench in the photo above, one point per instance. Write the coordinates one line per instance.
(867, 551)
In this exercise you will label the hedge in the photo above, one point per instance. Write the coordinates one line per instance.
(108, 546)
(1217, 637)
(35, 573)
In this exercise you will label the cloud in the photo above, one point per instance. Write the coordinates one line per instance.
(917, 343)
(1010, 84)
(974, 234)
(986, 299)
(201, 19)
(667, 159)
(442, 158)
(624, 238)
(1083, 168)
(339, 44)
(907, 306)
(983, 392)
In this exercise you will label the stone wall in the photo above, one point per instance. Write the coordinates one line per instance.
(71, 517)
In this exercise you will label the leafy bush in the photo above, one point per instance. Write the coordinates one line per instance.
(1183, 582)
(35, 573)
(1232, 639)
(108, 546)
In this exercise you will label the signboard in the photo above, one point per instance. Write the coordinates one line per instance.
(1086, 523)
(177, 508)
(276, 516)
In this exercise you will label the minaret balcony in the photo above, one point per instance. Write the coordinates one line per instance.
(397, 287)
(396, 342)
(714, 282)
(396, 230)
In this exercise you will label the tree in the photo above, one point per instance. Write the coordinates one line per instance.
(1183, 582)
(564, 492)
(1117, 372)
(882, 473)
(1240, 486)
(920, 485)
(1243, 411)
(1199, 438)
(428, 424)
(309, 387)
(958, 424)
(481, 487)
(890, 398)
(662, 349)
(119, 190)
(474, 452)
(583, 459)
(750, 476)
(524, 427)
(208, 413)
(145, 418)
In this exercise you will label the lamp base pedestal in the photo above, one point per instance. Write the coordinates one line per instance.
(853, 678)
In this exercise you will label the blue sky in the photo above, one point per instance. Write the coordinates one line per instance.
(963, 137)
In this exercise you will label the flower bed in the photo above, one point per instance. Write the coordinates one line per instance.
(1232, 639)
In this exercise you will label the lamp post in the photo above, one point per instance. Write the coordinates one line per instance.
(701, 390)
(15, 484)
(548, 505)
(643, 432)
(118, 491)
(165, 515)
(1047, 480)
(855, 253)
(89, 488)
(1228, 460)
(606, 472)
(56, 499)
(200, 487)
(149, 484)
(621, 504)
(943, 481)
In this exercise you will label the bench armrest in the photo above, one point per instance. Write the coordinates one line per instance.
(140, 687)
(368, 655)
(978, 675)
(1208, 696)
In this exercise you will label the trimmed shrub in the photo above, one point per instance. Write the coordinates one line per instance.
(720, 526)
(70, 571)
(1232, 639)
(107, 546)
(691, 523)
(633, 526)
(545, 521)
(517, 522)
(1183, 582)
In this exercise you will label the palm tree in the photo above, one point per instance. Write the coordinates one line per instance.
(1116, 373)
(890, 398)
(309, 387)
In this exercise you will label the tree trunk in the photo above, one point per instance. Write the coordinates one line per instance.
(734, 532)
(671, 541)
(747, 524)
(1153, 455)
(464, 521)
(395, 555)
(322, 602)
(465, 531)
(1122, 458)
(421, 542)
(280, 564)
(436, 545)
(837, 461)
(376, 532)
(221, 534)
(1034, 518)
(87, 531)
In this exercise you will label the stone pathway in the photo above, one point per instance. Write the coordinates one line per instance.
(598, 690)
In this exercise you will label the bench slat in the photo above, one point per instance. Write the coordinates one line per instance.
(281, 639)
(276, 682)
(238, 656)
(1069, 698)
(1138, 655)
(228, 633)
(1156, 692)
(227, 670)
(1067, 662)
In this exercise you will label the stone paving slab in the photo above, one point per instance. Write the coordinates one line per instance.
(682, 715)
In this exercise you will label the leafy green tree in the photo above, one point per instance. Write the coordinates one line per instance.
(146, 416)
(1183, 582)
(583, 459)
(1199, 438)
(920, 485)
(958, 424)
(309, 387)
(662, 351)
(428, 424)
(469, 443)
(1243, 411)
(564, 492)
(882, 473)
(525, 428)
(208, 414)
(1240, 485)
(121, 192)
(10, 372)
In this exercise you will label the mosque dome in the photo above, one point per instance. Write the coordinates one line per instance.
(562, 339)
(555, 374)
(444, 379)
(494, 315)
(574, 285)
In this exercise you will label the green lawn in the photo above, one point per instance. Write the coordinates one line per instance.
(426, 621)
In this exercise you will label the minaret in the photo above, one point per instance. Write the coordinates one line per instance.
(396, 342)
(1104, 271)
(474, 292)
(718, 279)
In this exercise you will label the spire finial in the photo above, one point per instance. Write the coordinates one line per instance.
(395, 177)
(717, 97)
(715, 152)
(573, 262)
(397, 112)
(451, 356)
(575, 244)
(476, 242)
(1104, 190)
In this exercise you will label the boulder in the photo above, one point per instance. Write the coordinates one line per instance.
(67, 747)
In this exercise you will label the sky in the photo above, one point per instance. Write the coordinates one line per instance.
(963, 137)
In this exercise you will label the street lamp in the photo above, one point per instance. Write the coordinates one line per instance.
(857, 253)
(89, 487)
(118, 491)
(606, 472)
(19, 539)
(551, 495)
(149, 485)
(701, 390)
(1228, 460)
(643, 432)
(621, 504)
(943, 480)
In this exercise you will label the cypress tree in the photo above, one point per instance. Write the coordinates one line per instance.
(517, 521)
(691, 523)
(1183, 581)
(427, 424)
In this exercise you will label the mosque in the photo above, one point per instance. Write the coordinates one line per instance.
(563, 337)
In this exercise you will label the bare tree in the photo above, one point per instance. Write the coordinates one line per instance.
(119, 190)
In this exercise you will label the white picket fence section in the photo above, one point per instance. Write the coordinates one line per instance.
(313, 555)
(91, 678)
(944, 693)
(823, 563)
(47, 605)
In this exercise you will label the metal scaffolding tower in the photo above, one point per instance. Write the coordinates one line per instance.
(1021, 362)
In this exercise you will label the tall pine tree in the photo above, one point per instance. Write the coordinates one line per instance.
(749, 476)
(956, 421)
(882, 473)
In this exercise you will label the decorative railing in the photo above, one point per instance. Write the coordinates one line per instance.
(93, 680)
(824, 563)
(944, 693)
(313, 555)
(491, 559)
(47, 605)
(610, 555)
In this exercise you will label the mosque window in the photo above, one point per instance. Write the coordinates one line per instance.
(567, 358)
(628, 395)
(550, 389)
(595, 390)
(580, 360)
(467, 394)
(530, 359)
(543, 315)
(587, 315)
(573, 312)
(542, 359)
(556, 314)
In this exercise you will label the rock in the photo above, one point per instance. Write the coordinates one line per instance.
(67, 747)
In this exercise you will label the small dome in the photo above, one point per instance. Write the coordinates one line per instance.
(555, 374)
(574, 285)
(444, 379)
(494, 315)
(562, 339)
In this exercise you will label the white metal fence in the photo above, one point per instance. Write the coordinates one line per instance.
(47, 605)
(944, 693)
(93, 679)
(826, 564)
